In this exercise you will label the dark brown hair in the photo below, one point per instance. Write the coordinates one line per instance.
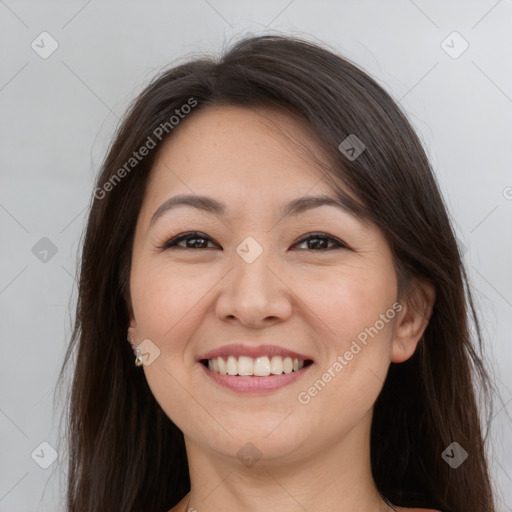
(124, 452)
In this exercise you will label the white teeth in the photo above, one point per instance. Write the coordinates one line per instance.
(222, 366)
(276, 365)
(245, 365)
(232, 366)
(260, 367)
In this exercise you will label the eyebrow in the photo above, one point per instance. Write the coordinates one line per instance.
(295, 207)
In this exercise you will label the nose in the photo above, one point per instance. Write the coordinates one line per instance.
(254, 294)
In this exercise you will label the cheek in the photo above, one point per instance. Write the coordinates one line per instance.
(349, 302)
(168, 302)
(357, 318)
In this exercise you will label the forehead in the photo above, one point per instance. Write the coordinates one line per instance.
(234, 149)
(245, 166)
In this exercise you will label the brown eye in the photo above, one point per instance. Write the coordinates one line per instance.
(193, 240)
(318, 241)
(197, 240)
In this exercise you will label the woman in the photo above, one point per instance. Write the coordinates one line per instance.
(267, 234)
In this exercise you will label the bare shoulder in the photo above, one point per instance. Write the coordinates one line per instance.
(180, 506)
(405, 509)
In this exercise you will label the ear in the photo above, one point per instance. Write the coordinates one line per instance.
(412, 320)
(132, 334)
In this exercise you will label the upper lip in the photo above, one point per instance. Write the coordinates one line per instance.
(238, 349)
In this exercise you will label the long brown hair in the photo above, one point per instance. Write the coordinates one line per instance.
(124, 452)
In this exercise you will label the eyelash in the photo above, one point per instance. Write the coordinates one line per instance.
(196, 234)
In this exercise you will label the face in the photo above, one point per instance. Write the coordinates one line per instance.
(252, 277)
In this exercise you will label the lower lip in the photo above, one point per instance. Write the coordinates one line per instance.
(249, 384)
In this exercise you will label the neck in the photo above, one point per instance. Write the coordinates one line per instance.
(335, 476)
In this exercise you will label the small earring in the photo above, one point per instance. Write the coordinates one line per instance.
(138, 355)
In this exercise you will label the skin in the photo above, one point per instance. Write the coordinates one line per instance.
(315, 456)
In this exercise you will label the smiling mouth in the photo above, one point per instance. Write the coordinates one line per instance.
(256, 367)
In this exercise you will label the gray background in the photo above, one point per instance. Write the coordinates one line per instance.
(59, 113)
